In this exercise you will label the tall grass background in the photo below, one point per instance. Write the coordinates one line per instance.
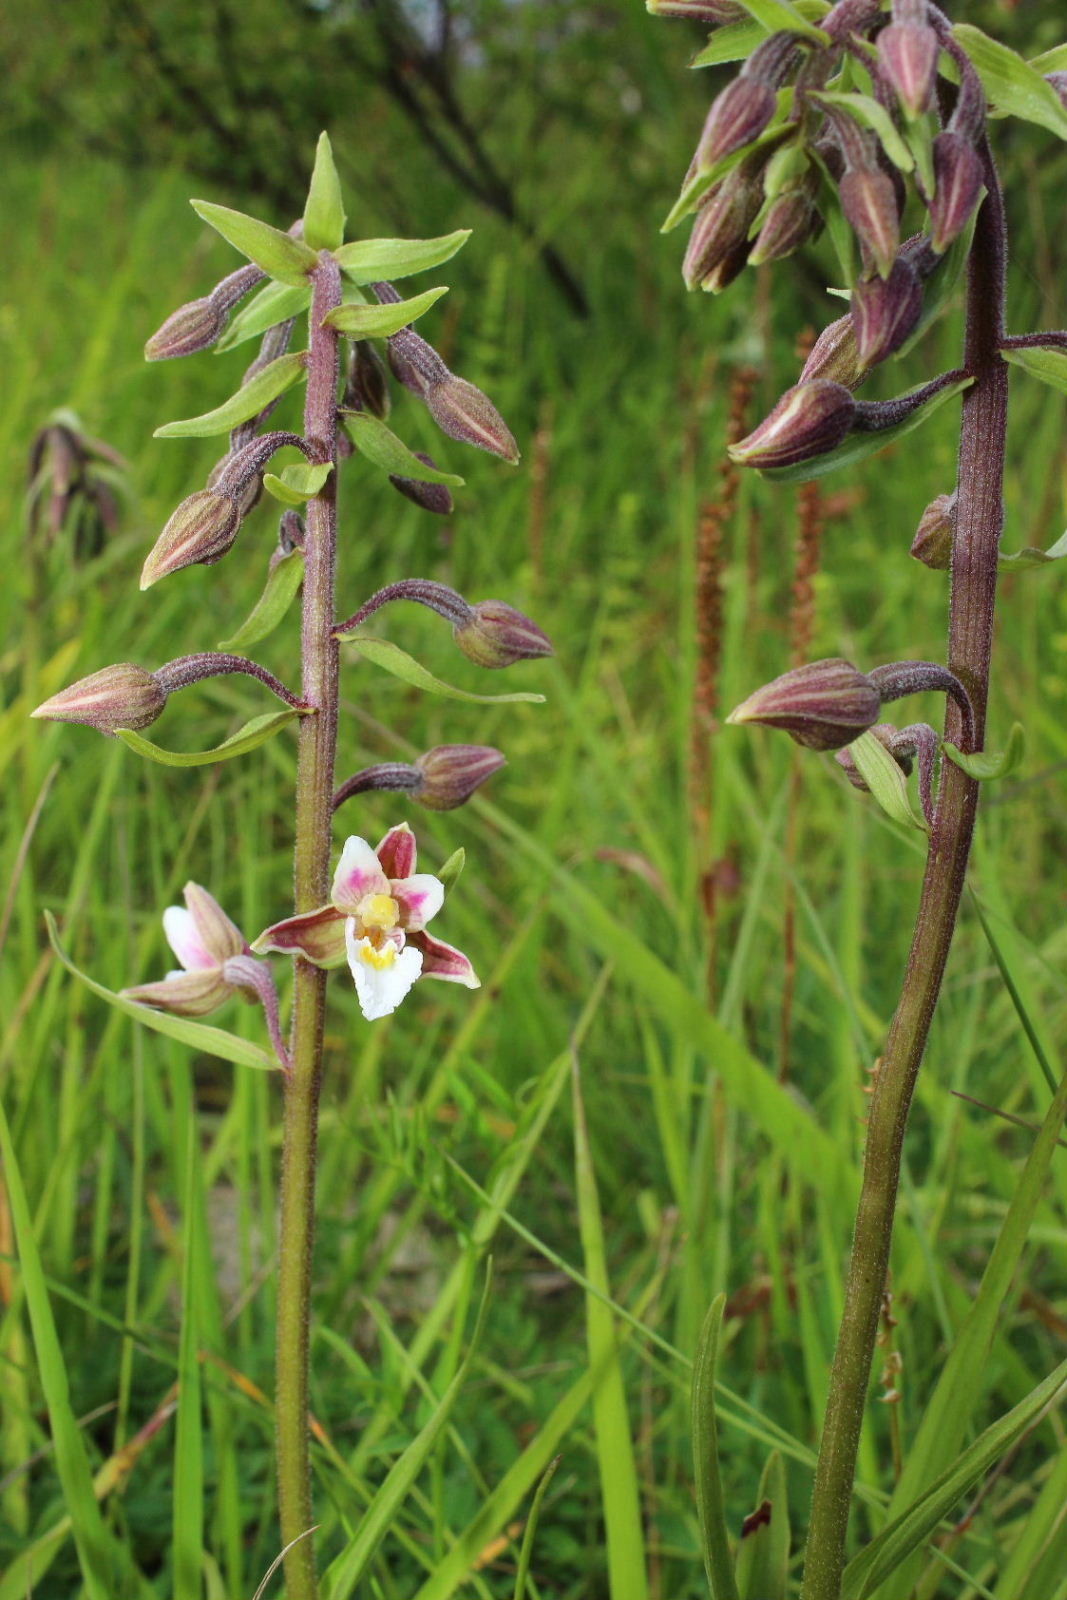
(618, 1117)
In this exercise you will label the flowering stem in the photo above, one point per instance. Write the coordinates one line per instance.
(974, 575)
(318, 740)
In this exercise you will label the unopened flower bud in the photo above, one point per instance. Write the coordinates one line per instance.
(122, 696)
(1058, 81)
(465, 413)
(715, 13)
(496, 635)
(192, 327)
(434, 497)
(737, 116)
(907, 55)
(823, 706)
(202, 529)
(414, 363)
(885, 312)
(932, 544)
(452, 772)
(835, 356)
(721, 225)
(807, 421)
(958, 184)
(250, 491)
(725, 271)
(869, 201)
(791, 221)
(367, 386)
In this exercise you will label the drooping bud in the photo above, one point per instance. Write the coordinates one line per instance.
(367, 386)
(715, 13)
(496, 635)
(452, 772)
(413, 362)
(721, 225)
(737, 116)
(885, 312)
(191, 328)
(907, 55)
(791, 221)
(958, 183)
(464, 413)
(807, 421)
(835, 356)
(822, 706)
(932, 544)
(869, 202)
(122, 696)
(435, 497)
(202, 529)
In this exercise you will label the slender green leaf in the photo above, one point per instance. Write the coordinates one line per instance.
(780, 16)
(280, 256)
(858, 446)
(763, 1553)
(367, 260)
(619, 1493)
(280, 590)
(381, 446)
(249, 400)
(869, 114)
(1022, 1010)
(718, 1562)
(735, 41)
(885, 780)
(1019, 560)
(199, 1035)
(1048, 365)
(378, 322)
(324, 210)
(392, 659)
(1012, 85)
(293, 485)
(522, 1571)
(274, 303)
(988, 764)
(250, 737)
(187, 1501)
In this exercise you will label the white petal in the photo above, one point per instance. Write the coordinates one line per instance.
(359, 872)
(380, 988)
(420, 898)
(184, 939)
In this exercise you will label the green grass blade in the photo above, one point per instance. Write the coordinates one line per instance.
(526, 1553)
(188, 1500)
(763, 1554)
(718, 1561)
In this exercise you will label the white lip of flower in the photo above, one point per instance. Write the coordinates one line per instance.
(383, 965)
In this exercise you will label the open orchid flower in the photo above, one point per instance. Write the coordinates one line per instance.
(376, 919)
(216, 959)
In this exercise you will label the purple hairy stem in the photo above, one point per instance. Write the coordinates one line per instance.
(186, 670)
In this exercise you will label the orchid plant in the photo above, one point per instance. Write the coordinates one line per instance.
(854, 117)
(375, 914)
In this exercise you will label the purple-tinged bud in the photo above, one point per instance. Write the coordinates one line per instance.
(835, 356)
(123, 696)
(250, 492)
(869, 202)
(823, 706)
(496, 635)
(722, 222)
(202, 529)
(191, 328)
(715, 13)
(725, 271)
(807, 421)
(737, 116)
(466, 414)
(958, 183)
(885, 312)
(1058, 81)
(413, 362)
(291, 532)
(367, 385)
(791, 221)
(451, 773)
(907, 55)
(434, 497)
(932, 544)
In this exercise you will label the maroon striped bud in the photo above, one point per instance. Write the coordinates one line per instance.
(791, 221)
(737, 116)
(496, 635)
(433, 497)
(869, 201)
(932, 544)
(722, 222)
(958, 184)
(885, 312)
(835, 356)
(807, 421)
(466, 414)
(907, 55)
(122, 696)
(367, 384)
(715, 13)
(451, 773)
(191, 328)
(823, 706)
(202, 529)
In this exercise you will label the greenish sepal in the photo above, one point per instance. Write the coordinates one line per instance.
(858, 446)
(324, 211)
(367, 260)
(448, 875)
(278, 594)
(274, 303)
(1048, 365)
(200, 1035)
(1011, 84)
(865, 110)
(885, 780)
(919, 134)
(379, 322)
(763, 1553)
(1019, 560)
(986, 764)
(253, 734)
(708, 1482)
(381, 446)
(383, 653)
(278, 254)
(252, 398)
(293, 485)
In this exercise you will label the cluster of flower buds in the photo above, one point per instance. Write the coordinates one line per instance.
(73, 483)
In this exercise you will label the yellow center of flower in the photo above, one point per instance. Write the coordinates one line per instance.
(379, 959)
(378, 911)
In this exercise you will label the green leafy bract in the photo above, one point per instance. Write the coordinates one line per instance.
(383, 653)
(1048, 365)
(252, 398)
(885, 780)
(253, 734)
(866, 111)
(1011, 83)
(283, 581)
(381, 446)
(278, 254)
(295, 484)
(378, 322)
(367, 260)
(780, 16)
(1019, 560)
(324, 211)
(274, 303)
(986, 764)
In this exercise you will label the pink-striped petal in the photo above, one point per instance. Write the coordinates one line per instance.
(186, 940)
(359, 872)
(397, 852)
(218, 934)
(419, 899)
(187, 994)
(318, 935)
(441, 960)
